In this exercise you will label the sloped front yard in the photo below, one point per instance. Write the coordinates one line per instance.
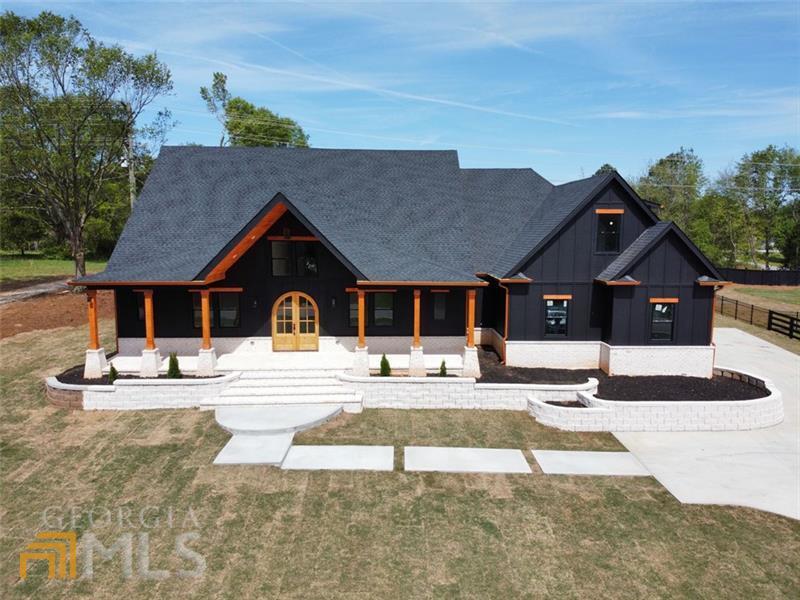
(267, 533)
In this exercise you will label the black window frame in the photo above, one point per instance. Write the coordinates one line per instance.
(374, 311)
(352, 299)
(296, 251)
(652, 313)
(288, 258)
(237, 323)
(597, 235)
(567, 319)
(216, 311)
(439, 297)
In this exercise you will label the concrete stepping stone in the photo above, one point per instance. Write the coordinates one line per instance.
(340, 458)
(569, 462)
(255, 449)
(257, 420)
(465, 460)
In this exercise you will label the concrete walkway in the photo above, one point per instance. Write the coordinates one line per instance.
(580, 462)
(759, 468)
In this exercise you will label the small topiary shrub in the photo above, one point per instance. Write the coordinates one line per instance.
(174, 370)
(112, 374)
(386, 369)
(442, 369)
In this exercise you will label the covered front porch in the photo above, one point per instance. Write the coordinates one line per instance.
(205, 356)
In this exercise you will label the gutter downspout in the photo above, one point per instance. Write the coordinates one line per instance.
(505, 324)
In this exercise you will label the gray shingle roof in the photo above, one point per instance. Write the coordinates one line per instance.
(628, 257)
(394, 215)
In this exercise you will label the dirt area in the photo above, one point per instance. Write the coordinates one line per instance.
(629, 389)
(50, 311)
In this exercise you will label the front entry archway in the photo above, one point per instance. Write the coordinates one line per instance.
(295, 323)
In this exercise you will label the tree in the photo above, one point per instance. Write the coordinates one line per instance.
(246, 124)
(718, 223)
(769, 180)
(71, 104)
(19, 229)
(605, 168)
(675, 183)
(789, 242)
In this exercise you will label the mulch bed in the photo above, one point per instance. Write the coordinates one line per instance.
(629, 389)
(74, 375)
(566, 403)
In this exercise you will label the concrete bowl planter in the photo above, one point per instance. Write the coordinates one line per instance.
(656, 415)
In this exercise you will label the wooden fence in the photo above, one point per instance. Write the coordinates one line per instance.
(784, 323)
(757, 277)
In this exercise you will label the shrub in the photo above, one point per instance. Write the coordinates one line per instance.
(386, 369)
(442, 369)
(112, 374)
(174, 370)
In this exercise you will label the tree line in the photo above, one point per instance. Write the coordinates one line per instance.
(75, 150)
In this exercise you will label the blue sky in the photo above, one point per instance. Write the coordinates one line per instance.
(559, 87)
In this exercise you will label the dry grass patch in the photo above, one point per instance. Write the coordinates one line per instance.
(269, 533)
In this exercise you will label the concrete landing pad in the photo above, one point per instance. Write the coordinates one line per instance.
(558, 462)
(255, 449)
(465, 460)
(340, 458)
(274, 418)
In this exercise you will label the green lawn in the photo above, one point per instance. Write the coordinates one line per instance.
(787, 295)
(18, 268)
(269, 533)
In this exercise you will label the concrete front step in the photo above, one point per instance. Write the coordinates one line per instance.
(269, 449)
(290, 399)
(261, 420)
(286, 390)
(286, 381)
(290, 373)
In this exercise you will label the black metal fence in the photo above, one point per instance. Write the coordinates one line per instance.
(787, 324)
(758, 277)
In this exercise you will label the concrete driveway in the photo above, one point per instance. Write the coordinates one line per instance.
(759, 468)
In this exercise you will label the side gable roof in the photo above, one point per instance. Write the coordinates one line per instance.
(643, 245)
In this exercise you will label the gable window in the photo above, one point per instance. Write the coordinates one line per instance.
(305, 259)
(228, 308)
(662, 321)
(353, 308)
(439, 307)
(281, 259)
(383, 309)
(608, 231)
(556, 314)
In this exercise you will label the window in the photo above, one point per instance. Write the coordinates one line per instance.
(228, 307)
(608, 232)
(383, 309)
(662, 317)
(306, 259)
(353, 310)
(281, 259)
(140, 306)
(197, 311)
(555, 317)
(439, 307)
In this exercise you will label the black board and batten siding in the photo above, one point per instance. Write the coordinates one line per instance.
(567, 265)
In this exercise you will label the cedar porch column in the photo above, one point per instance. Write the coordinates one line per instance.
(149, 326)
(416, 360)
(91, 306)
(471, 318)
(205, 309)
(362, 310)
(95, 355)
(417, 294)
(471, 367)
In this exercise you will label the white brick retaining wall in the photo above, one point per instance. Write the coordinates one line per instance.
(553, 355)
(142, 394)
(692, 361)
(612, 415)
(455, 392)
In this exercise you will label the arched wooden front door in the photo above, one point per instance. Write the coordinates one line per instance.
(295, 323)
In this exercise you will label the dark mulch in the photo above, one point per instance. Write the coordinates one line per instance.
(74, 375)
(567, 403)
(677, 389)
(494, 372)
(629, 389)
